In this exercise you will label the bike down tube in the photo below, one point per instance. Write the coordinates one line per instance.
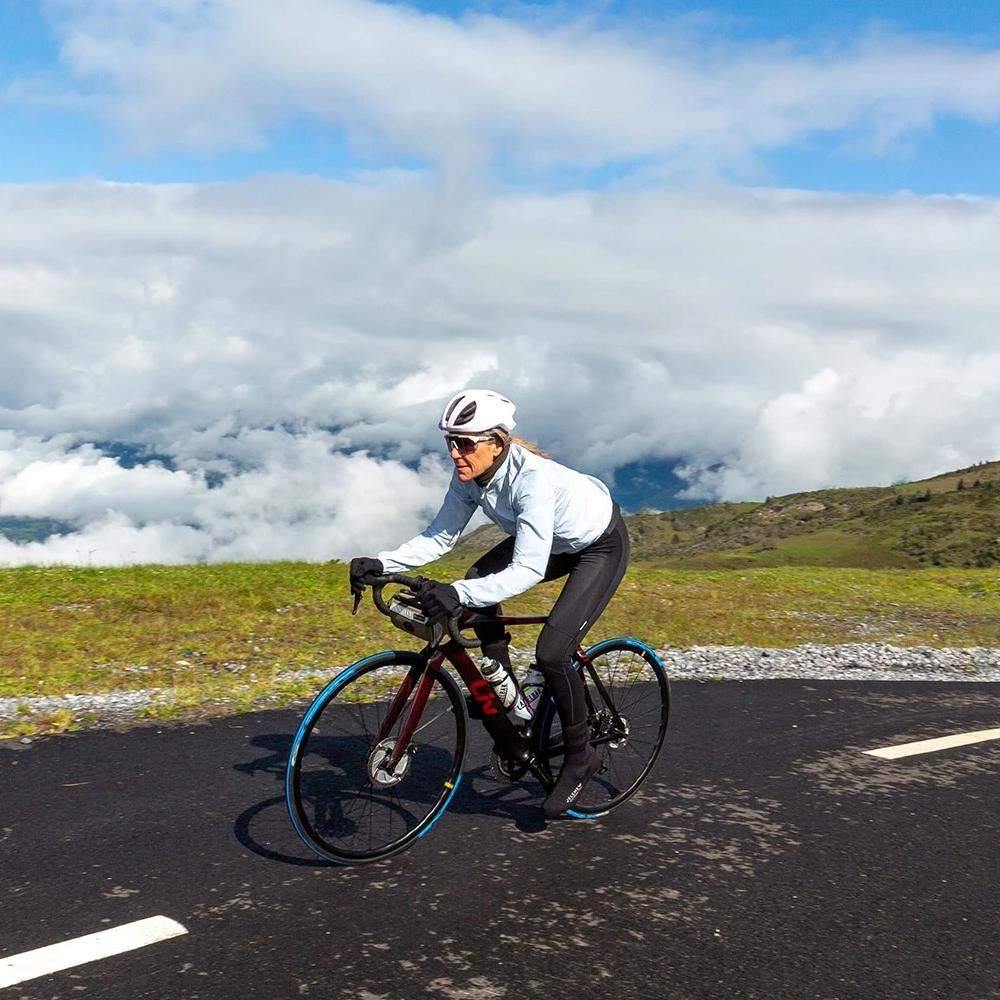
(416, 707)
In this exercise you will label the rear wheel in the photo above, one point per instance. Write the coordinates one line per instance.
(628, 700)
(346, 801)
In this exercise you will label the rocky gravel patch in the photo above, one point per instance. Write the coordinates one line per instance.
(850, 661)
(858, 661)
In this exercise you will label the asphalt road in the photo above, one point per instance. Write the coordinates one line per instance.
(768, 857)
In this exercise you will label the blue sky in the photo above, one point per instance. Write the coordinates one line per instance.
(69, 133)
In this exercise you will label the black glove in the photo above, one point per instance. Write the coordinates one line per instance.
(438, 600)
(360, 568)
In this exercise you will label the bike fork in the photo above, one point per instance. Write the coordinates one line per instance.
(416, 708)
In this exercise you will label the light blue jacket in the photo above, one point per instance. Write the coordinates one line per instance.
(545, 506)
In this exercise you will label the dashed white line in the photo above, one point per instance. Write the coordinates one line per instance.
(90, 948)
(940, 743)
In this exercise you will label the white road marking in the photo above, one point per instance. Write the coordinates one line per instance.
(77, 951)
(940, 743)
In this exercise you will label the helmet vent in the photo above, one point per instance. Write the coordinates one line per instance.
(466, 415)
(451, 409)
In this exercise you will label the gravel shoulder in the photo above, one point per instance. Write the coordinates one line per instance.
(849, 661)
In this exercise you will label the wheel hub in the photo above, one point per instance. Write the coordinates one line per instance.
(378, 765)
(618, 732)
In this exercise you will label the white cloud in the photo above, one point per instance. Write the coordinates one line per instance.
(282, 345)
(285, 345)
(82, 486)
(298, 499)
(220, 73)
(941, 414)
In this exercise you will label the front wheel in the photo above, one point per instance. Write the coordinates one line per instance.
(628, 705)
(345, 799)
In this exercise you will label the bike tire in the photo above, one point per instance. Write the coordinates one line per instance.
(345, 807)
(636, 692)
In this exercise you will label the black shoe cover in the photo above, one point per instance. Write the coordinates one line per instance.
(577, 770)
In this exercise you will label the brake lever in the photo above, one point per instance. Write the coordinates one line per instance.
(357, 604)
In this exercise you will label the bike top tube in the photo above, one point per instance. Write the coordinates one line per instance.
(478, 619)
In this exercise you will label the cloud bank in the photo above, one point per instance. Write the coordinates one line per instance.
(297, 498)
(283, 347)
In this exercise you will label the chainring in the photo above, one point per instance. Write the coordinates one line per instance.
(505, 771)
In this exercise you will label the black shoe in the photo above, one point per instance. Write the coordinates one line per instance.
(579, 765)
(473, 707)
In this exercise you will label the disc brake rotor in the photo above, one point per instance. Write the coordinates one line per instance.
(617, 732)
(378, 765)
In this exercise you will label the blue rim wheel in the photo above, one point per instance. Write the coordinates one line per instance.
(344, 801)
(628, 723)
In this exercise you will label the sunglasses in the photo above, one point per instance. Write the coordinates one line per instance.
(465, 445)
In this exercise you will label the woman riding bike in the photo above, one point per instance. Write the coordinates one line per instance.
(561, 523)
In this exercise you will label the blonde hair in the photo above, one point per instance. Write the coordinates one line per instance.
(531, 446)
(505, 438)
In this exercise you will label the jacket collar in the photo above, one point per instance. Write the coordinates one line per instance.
(484, 479)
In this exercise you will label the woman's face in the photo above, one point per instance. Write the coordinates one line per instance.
(469, 464)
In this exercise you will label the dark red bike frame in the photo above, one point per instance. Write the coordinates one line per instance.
(513, 741)
(495, 717)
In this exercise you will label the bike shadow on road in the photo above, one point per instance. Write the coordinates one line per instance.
(265, 828)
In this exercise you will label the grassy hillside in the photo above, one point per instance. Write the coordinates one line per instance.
(913, 564)
(224, 637)
(949, 520)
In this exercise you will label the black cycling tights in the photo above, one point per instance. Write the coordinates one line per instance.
(594, 575)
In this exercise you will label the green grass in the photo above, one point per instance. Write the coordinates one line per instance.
(911, 564)
(219, 635)
(824, 548)
(67, 629)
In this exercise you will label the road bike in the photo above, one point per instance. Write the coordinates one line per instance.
(378, 756)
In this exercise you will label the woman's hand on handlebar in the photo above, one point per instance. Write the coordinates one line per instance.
(438, 600)
(362, 567)
(441, 603)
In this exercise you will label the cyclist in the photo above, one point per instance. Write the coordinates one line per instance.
(561, 523)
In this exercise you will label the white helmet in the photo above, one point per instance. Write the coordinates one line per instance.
(473, 411)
